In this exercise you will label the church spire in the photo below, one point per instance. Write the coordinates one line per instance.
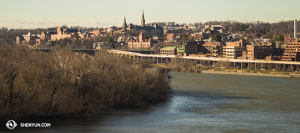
(143, 20)
(124, 21)
(124, 26)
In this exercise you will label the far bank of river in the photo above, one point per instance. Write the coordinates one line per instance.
(253, 74)
(240, 72)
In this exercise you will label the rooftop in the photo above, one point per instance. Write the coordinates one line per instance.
(169, 48)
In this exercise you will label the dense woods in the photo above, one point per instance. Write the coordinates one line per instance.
(63, 83)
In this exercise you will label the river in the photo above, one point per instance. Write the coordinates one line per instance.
(202, 103)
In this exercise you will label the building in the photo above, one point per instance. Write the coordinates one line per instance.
(292, 51)
(215, 29)
(25, 39)
(214, 49)
(260, 50)
(65, 33)
(168, 51)
(193, 47)
(234, 50)
(98, 33)
(101, 45)
(172, 37)
(140, 43)
(181, 50)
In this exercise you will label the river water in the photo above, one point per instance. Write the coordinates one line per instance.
(203, 103)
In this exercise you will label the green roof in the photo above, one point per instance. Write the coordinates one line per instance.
(169, 48)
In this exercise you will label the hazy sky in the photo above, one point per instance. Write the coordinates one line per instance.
(106, 13)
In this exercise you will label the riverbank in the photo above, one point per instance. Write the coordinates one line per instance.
(253, 74)
(238, 72)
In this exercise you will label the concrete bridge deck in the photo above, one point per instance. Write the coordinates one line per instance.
(204, 58)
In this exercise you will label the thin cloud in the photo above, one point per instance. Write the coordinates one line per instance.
(22, 23)
(103, 24)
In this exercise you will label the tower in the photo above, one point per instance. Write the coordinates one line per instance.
(295, 28)
(124, 26)
(143, 20)
(141, 37)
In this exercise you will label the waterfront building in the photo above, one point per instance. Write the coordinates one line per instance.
(292, 50)
(215, 49)
(260, 50)
(234, 50)
(168, 51)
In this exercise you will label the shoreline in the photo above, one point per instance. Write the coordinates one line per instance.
(254, 74)
(289, 75)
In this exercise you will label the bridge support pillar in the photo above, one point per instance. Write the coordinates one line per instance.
(248, 66)
(161, 60)
(234, 65)
(292, 69)
(241, 65)
(297, 68)
(157, 60)
(255, 66)
(225, 64)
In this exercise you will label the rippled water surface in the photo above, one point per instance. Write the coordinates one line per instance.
(203, 103)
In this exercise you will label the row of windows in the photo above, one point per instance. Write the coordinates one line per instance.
(140, 45)
(166, 51)
(171, 53)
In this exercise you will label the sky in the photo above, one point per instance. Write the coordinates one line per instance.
(107, 13)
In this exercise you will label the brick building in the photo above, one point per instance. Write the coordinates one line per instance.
(260, 50)
(141, 43)
(98, 33)
(292, 50)
(213, 48)
(172, 37)
(25, 39)
(65, 33)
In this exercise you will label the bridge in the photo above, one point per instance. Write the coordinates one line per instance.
(210, 61)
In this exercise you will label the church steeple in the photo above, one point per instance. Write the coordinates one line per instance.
(143, 20)
(124, 26)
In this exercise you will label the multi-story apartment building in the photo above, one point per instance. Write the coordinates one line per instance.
(213, 48)
(193, 47)
(233, 50)
(260, 50)
(292, 50)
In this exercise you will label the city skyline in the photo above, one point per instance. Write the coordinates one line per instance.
(93, 13)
